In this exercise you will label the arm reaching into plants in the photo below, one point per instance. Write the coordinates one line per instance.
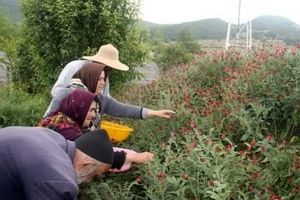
(115, 108)
(129, 156)
(160, 113)
(143, 157)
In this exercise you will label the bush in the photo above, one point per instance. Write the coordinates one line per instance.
(230, 139)
(18, 108)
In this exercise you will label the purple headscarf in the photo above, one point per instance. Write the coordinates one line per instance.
(76, 105)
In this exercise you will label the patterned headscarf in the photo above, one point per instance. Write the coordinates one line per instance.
(76, 105)
(62, 124)
(89, 74)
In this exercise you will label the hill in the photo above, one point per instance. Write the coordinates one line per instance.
(276, 28)
(263, 27)
(202, 29)
(270, 27)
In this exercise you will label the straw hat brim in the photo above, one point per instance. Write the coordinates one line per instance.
(111, 63)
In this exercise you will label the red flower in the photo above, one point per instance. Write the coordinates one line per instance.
(211, 183)
(206, 112)
(194, 144)
(255, 175)
(228, 147)
(184, 176)
(269, 137)
(226, 112)
(275, 197)
(161, 176)
(184, 130)
(193, 124)
(187, 97)
(241, 152)
(138, 179)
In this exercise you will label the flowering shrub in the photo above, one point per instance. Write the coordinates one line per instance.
(232, 137)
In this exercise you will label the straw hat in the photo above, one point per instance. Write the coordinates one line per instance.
(109, 56)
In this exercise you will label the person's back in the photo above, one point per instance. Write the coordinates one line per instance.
(66, 75)
(36, 163)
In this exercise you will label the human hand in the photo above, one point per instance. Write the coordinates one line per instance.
(143, 157)
(161, 113)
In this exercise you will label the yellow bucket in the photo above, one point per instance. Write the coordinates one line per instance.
(116, 132)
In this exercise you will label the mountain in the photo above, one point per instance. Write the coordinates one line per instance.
(276, 27)
(263, 27)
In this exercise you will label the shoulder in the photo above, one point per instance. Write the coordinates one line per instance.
(77, 84)
(76, 64)
(73, 66)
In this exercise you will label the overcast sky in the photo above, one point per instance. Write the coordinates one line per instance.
(178, 11)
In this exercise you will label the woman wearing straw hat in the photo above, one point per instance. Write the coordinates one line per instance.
(107, 55)
(91, 77)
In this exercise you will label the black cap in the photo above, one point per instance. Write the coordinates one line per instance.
(97, 145)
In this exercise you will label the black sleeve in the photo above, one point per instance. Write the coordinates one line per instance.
(119, 159)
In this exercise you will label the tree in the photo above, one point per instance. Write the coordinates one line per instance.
(8, 42)
(187, 41)
(177, 53)
(59, 31)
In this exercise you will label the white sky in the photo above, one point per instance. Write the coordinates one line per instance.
(178, 11)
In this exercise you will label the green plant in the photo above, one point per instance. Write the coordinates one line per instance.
(9, 36)
(230, 138)
(18, 108)
(56, 32)
(177, 53)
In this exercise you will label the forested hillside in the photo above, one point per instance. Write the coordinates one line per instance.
(263, 27)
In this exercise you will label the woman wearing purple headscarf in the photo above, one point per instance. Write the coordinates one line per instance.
(75, 114)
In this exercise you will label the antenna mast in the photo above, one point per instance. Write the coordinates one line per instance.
(243, 37)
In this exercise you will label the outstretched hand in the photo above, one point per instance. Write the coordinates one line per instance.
(161, 113)
(143, 157)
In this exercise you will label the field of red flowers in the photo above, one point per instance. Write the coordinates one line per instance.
(234, 135)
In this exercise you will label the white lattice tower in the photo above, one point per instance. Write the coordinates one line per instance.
(243, 36)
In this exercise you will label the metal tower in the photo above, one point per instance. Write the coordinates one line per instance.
(243, 36)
